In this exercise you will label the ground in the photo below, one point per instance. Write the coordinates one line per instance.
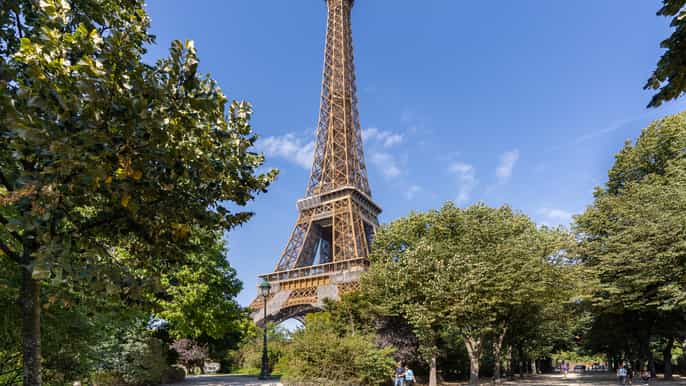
(540, 380)
(225, 380)
(586, 380)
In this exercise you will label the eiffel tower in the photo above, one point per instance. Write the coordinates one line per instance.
(329, 245)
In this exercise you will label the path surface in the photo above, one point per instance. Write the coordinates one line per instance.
(225, 380)
(602, 379)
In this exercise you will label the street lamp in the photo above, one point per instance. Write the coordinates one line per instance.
(265, 287)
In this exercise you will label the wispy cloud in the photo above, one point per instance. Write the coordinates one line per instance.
(619, 124)
(506, 165)
(555, 216)
(466, 179)
(385, 138)
(412, 191)
(289, 147)
(386, 163)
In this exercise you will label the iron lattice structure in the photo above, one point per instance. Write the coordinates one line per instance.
(330, 243)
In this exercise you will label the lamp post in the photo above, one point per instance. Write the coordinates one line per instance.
(265, 287)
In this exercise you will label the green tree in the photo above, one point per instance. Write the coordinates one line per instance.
(633, 236)
(669, 76)
(463, 268)
(200, 297)
(111, 170)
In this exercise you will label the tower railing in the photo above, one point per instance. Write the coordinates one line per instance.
(316, 270)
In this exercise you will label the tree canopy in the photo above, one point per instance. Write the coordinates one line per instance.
(633, 241)
(467, 269)
(112, 171)
(669, 77)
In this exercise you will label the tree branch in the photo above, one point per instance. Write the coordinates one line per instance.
(18, 22)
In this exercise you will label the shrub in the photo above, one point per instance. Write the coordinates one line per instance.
(319, 353)
(173, 374)
(107, 378)
(137, 358)
(248, 358)
(191, 355)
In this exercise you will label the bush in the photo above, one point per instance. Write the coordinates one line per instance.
(173, 374)
(136, 358)
(107, 378)
(248, 358)
(319, 353)
(191, 355)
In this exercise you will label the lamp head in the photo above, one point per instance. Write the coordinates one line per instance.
(265, 287)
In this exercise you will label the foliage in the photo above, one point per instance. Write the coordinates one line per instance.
(575, 357)
(355, 313)
(669, 76)
(200, 296)
(173, 374)
(472, 269)
(633, 242)
(135, 357)
(323, 353)
(112, 171)
(248, 357)
(633, 234)
(191, 354)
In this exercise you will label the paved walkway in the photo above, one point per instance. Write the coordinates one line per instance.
(602, 379)
(225, 380)
(588, 379)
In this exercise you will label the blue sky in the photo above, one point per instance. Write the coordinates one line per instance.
(520, 102)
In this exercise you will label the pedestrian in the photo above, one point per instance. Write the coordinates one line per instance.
(621, 375)
(399, 376)
(564, 368)
(409, 377)
(645, 376)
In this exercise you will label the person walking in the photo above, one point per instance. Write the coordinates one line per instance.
(621, 375)
(399, 375)
(645, 376)
(564, 368)
(409, 377)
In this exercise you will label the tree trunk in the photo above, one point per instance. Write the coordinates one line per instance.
(497, 356)
(510, 365)
(30, 328)
(651, 365)
(520, 362)
(474, 351)
(667, 354)
(432, 371)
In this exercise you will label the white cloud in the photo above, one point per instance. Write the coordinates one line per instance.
(386, 164)
(466, 178)
(412, 191)
(507, 163)
(385, 138)
(555, 216)
(289, 147)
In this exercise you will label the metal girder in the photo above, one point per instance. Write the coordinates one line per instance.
(337, 218)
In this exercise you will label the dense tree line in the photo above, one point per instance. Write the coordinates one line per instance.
(633, 244)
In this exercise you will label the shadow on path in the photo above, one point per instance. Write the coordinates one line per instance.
(226, 380)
